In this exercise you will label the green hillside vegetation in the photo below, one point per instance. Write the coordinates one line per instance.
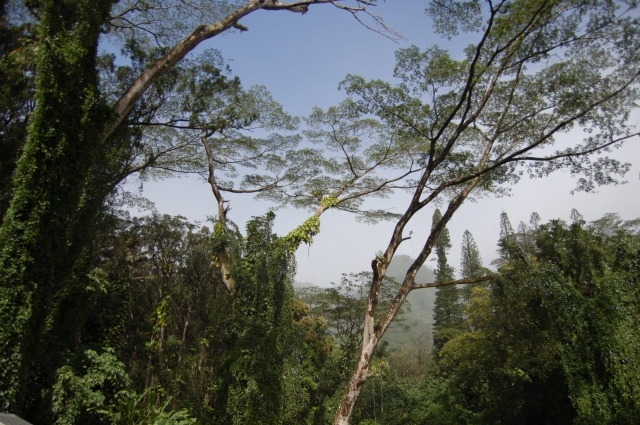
(419, 314)
(551, 340)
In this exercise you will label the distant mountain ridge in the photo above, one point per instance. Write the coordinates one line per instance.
(421, 301)
(420, 317)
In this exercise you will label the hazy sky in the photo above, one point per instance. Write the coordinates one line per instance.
(301, 60)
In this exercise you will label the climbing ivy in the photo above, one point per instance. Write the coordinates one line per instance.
(253, 342)
(329, 201)
(302, 234)
(48, 213)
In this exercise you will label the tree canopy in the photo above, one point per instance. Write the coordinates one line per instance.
(552, 337)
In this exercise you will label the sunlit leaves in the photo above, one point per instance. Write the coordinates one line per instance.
(538, 71)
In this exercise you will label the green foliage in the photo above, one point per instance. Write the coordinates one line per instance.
(302, 234)
(66, 170)
(161, 296)
(307, 380)
(102, 394)
(255, 337)
(589, 287)
(447, 312)
(94, 396)
(553, 339)
(451, 17)
(184, 341)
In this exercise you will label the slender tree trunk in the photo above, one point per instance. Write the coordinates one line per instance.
(373, 332)
(357, 380)
(372, 335)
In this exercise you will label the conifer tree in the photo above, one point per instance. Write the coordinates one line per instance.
(508, 244)
(447, 313)
(470, 262)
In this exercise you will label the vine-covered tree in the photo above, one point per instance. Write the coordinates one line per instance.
(255, 338)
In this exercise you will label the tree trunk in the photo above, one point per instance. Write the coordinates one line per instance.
(356, 382)
(39, 234)
(373, 332)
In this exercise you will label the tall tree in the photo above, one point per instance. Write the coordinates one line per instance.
(447, 313)
(249, 387)
(42, 228)
(470, 262)
(537, 69)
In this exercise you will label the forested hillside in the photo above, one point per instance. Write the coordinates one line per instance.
(551, 339)
(112, 312)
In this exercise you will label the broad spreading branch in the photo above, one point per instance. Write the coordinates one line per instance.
(125, 104)
(468, 281)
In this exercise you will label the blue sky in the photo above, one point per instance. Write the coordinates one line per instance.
(301, 60)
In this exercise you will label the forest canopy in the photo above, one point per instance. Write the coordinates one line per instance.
(108, 318)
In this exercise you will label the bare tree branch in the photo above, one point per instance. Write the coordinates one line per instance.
(454, 282)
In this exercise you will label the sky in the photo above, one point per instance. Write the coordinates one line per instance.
(301, 59)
